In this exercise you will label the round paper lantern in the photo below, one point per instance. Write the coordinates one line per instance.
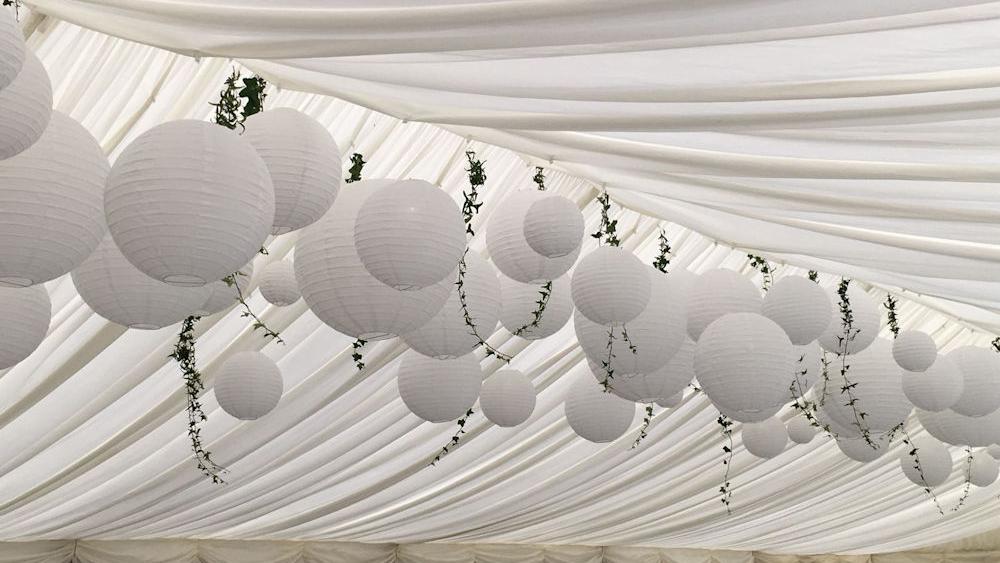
(935, 463)
(409, 235)
(636, 387)
(610, 286)
(447, 335)
(799, 306)
(249, 385)
(339, 289)
(878, 390)
(520, 301)
(278, 285)
(808, 369)
(958, 430)
(742, 362)
(935, 389)
(671, 402)
(510, 251)
(222, 295)
(12, 48)
(553, 226)
(994, 451)
(51, 215)
(111, 286)
(914, 350)
(597, 416)
(800, 430)
(438, 390)
(679, 372)
(864, 327)
(25, 105)
(983, 470)
(25, 312)
(717, 293)
(507, 398)
(189, 202)
(304, 163)
(765, 439)
(980, 371)
(827, 422)
(860, 450)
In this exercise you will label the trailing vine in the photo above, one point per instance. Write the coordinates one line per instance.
(913, 452)
(258, 324)
(663, 257)
(890, 305)
(544, 292)
(606, 233)
(467, 317)
(814, 276)
(765, 269)
(726, 427)
(606, 364)
(357, 164)
(645, 425)
(17, 7)
(356, 347)
(539, 178)
(843, 342)
(477, 177)
(453, 443)
(236, 104)
(807, 408)
(968, 480)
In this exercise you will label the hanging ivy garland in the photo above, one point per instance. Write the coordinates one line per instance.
(765, 269)
(914, 453)
(607, 234)
(726, 428)
(539, 178)
(545, 291)
(661, 262)
(843, 342)
(17, 7)
(813, 276)
(890, 305)
(967, 487)
(357, 165)
(453, 443)
(646, 421)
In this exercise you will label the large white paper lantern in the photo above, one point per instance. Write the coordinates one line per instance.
(520, 301)
(864, 326)
(636, 387)
(826, 421)
(717, 293)
(553, 226)
(958, 430)
(111, 286)
(671, 402)
(438, 390)
(860, 450)
(980, 371)
(12, 48)
(983, 470)
(747, 416)
(935, 389)
(800, 430)
(222, 295)
(409, 234)
(799, 306)
(447, 335)
(25, 105)
(339, 289)
(249, 385)
(914, 350)
(808, 369)
(743, 362)
(507, 398)
(189, 202)
(765, 439)
(278, 285)
(26, 312)
(510, 251)
(935, 462)
(304, 163)
(994, 451)
(878, 390)
(610, 286)
(678, 373)
(597, 416)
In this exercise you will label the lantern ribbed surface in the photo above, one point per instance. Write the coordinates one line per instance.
(278, 285)
(26, 312)
(189, 202)
(935, 463)
(799, 306)
(864, 327)
(914, 350)
(673, 401)
(510, 251)
(249, 385)
(980, 371)
(51, 211)
(716, 293)
(597, 416)
(553, 226)
(222, 295)
(765, 439)
(520, 301)
(678, 373)
(303, 161)
(438, 390)
(983, 470)
(935, 389)
(338, 288)
(611, 286)
(635, 387)
(800, 430)
(12, 48)
(446, 335)
(808, 369)
(878, 390)
(507, 398)
(25, 106)
(958, 430)
(111, 286)
(860, 450)
(409, 235)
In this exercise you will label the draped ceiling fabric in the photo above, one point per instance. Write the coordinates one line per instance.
(860, 141)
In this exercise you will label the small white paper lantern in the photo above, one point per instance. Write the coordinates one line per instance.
(959, 430)
(864, 327)
(860, 450)
(553, 226)
(222, 295)
(249, 385)
(671, 402)
(278, 285)
(935, 389)
(800, 430)
(765, 439)
(717, 293)
(799, 306)
(808, 369)
(25, 105)
(304, 163)
(111, 286)
(409, 235)
(12, 48)
(597, 416)
(438, 390)
(520, 301)
(189, 202)
(510, 251)
(914, 350)
(935, 463)
(446, 335)
(994, 451)
(983, 470)
(26, 312)
(980, 371)
(507, 398)
(610, 286)
(878, 390)
(51, 212)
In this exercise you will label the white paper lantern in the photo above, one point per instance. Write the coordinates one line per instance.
(935, 463)
(304, 163)
(914, 350)
(994, 451)
(409, 235)
(553, 226)
(507, 398)
(520, 301)
(671, 402)
(597, 416)
(249, 385)
(51, 210)
(25, 312)
(799, 306)
(447, 335)
(860, 450)
(864, 327)
(878, 390)
(12, 48)
(983, 470)
(826, 421)
(980, 371)
(611, 286)
(278, 285)
(679, 371)
(222, 295)
(958, 430)
(717, 293)
(742, 362)
(636, 387)
(808, 369)
(935, 389)
(111, 286)
(800, 430)
(439, 390)
(510, 251)
(25, 105)
(339, 289)
(765, 439)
